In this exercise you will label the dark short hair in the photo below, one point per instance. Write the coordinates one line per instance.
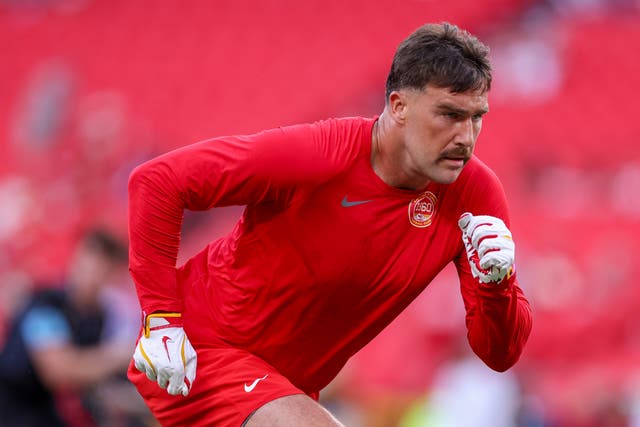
(106, 243)
(442, 55)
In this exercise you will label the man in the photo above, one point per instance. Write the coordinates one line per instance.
(62, 343)
(346, 222)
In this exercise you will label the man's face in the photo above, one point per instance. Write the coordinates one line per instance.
(440, 131)
(88, 272)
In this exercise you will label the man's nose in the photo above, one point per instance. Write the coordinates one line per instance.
(466, 134)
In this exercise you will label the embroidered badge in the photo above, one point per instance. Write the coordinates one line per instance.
(422, 209)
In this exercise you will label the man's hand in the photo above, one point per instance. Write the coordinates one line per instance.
(489, 245)
(165, 354)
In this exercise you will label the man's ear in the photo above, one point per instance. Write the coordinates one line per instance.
(398, 106)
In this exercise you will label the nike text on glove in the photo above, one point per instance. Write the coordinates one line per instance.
(165, 354)
(489, 245)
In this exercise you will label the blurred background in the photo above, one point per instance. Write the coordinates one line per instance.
(91, 88)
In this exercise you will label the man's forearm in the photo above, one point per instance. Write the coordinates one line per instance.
(155, 221)
(500, 325)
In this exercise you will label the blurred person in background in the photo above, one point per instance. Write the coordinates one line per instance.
(346, 222)
(489, 399)
(68, 340)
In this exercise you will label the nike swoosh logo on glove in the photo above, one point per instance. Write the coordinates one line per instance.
(166, 339)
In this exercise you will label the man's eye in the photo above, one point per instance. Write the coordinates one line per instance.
(477, 117)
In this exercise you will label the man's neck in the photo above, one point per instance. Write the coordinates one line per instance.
(388, 158)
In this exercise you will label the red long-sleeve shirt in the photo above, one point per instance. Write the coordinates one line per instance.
(325, 255)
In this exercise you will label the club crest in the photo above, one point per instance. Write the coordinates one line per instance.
(422, 209)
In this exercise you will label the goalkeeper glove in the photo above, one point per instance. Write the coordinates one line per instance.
(165, 354)
(489, 245)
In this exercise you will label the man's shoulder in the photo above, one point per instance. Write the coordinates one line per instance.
(347, 123)
(331, 123)
(323, 133)
(478, 172)
(479, 190)
(336, 141)
(476, 180)
(350, 136)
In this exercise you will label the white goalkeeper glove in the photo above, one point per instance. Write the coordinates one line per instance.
(165, 354)
(489, 245)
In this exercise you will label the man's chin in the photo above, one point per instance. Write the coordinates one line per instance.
(447, 177)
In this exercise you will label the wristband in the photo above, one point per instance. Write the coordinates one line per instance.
(169, 320)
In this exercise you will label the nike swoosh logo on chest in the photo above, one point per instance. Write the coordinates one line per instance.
(346, 203)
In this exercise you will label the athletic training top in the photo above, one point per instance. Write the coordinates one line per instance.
(325, 255)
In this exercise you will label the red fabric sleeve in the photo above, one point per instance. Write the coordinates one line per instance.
(498, 317)
(240, 170)
(498, 321)
(155, 220)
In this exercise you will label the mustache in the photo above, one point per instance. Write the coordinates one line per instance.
(456, 153)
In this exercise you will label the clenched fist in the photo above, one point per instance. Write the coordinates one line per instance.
(165, 354)
(489, 245)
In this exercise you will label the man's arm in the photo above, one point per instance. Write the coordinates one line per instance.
(241, 170)
(220, 172)
(498, 319)
(498, 314)
(196, 177)
(60, 363)
(155, 220)
(66, 365)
